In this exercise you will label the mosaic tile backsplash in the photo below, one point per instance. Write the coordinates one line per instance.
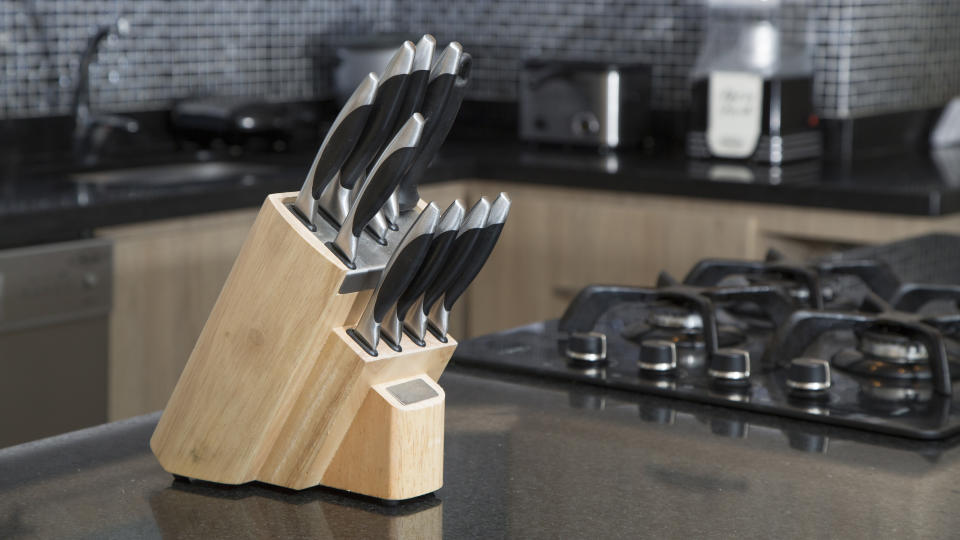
(870, 56)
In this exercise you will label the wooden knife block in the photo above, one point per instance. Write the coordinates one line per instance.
(275, 391)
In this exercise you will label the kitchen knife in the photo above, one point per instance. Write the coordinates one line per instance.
(399, 270)
(442, 240)
(417, 82)
(412, 99)
(336, 199)
(415, 321)
(486, 241)
(336, 147)
(380, 183)
(439, 121)
(440, 81)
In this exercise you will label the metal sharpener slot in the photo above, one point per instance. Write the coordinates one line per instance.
(411, 392)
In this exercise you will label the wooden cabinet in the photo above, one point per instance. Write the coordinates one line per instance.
(558, 240)
(167, 275)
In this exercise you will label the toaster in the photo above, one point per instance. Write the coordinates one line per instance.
(583, 102)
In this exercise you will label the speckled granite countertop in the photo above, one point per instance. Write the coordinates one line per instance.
(523, 459)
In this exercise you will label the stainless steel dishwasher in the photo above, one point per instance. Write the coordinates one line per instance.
(54, 307)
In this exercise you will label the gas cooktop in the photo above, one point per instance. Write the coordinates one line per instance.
(868, 338)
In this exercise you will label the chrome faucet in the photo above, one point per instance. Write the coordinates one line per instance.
(90, 131)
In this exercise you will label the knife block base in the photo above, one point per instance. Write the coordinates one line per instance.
(276, 391)
(394, 448)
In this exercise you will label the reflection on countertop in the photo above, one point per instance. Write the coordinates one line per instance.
(523, 458)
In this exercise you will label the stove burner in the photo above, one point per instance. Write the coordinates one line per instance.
(858, 363)
(885, 355)
(876, 394)
(673, 317)
(882, 355)
(802, 294)
(891, 347)
(727, 336)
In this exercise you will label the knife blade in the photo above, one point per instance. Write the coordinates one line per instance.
(378, 226)
(336, 146)
(396, 276)
(442, 240)
(415, 321)
(412, 99)
(441, 106)
(486, 241)
(336, 199)
(381, 182)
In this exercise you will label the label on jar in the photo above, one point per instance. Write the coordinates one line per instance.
(735, 111)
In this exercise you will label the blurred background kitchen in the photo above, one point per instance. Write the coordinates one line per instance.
(138, 138)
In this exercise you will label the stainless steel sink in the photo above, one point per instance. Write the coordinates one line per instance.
(180, 173)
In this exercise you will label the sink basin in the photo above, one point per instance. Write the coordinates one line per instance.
(180, 173)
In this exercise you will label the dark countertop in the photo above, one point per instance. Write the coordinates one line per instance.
(524, 459)
(38, 205)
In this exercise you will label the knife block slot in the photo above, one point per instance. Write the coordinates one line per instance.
(276, 391)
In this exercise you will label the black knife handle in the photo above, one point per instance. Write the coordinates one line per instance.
(390, 92)
(439, 123)
(436, 94)
(339, 145)
(381, 186)
(412, 98)
(455, 261)
(376, 131)
(401, 272)
(486, 241)
(432, 264)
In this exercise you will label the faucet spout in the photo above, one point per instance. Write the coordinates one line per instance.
(90, 130)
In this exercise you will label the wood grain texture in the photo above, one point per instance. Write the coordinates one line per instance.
(559, 240)
(274, 382)
(167, 275)
(375, 461)
(282, 290)
(333, 392)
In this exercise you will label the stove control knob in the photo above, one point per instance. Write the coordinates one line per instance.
(808, 375)
(587, 347)
(657, 356)
(729, 366)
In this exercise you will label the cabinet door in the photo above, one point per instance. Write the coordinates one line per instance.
(167, 276)
(445, 193)
(559, 240)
